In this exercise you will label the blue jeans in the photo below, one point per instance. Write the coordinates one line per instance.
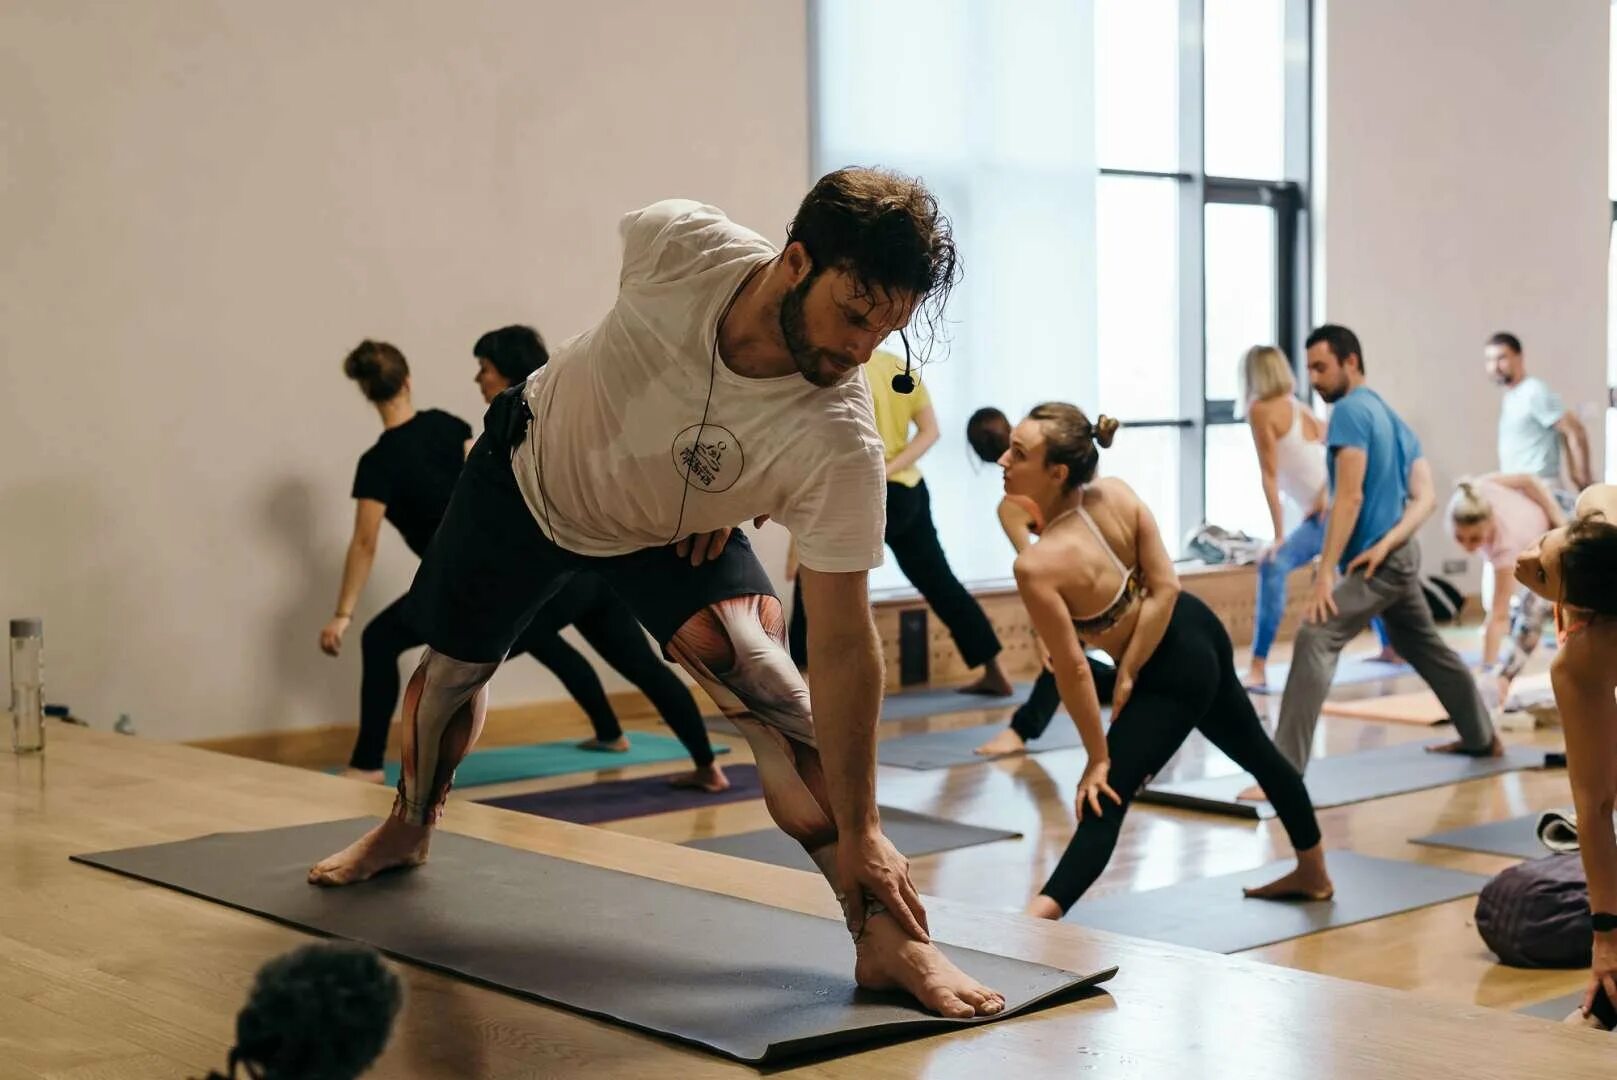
(1299, 549)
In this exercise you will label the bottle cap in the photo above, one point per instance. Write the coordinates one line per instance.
(27, 628)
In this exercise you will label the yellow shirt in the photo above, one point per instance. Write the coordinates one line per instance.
(895, 412)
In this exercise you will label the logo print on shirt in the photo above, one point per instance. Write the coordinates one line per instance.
(713, 463)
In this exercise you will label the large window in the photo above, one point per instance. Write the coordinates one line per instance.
(1127, 180)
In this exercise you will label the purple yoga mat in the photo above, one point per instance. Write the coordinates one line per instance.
(612, 800)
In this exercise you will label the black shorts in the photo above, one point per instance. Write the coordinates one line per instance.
(489, 569)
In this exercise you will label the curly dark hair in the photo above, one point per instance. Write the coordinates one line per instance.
(885, 231)
(320, 1012)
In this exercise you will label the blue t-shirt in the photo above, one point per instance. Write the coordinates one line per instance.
(1363, 421)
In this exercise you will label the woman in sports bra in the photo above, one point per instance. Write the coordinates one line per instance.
(1575, 567)
(1290, 442)
(1100, 576)
(989, 434)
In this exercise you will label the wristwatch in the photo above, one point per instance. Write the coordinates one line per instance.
(1603, 921)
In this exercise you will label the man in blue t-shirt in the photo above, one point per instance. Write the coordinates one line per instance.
(1380, 493)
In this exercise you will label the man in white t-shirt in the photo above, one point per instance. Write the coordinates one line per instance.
(1534, 423)
(721, 387)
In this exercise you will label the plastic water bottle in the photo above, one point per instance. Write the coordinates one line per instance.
(27, 685)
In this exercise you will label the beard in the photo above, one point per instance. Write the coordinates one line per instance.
(822, 367)
(1333, 393)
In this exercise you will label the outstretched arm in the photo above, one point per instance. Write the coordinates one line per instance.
(355, 572)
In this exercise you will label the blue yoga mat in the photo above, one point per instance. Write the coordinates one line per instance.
(502, 764)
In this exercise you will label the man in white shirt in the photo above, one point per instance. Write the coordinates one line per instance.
(722, 386)
(1534, 423)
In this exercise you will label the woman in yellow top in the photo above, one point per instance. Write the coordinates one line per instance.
(910, 532)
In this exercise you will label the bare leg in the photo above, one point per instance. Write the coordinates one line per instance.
(443, 715)
(736, 650)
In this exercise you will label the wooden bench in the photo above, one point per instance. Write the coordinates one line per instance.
(1231, 591)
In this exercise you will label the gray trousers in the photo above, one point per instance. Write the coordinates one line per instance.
(1394, 594)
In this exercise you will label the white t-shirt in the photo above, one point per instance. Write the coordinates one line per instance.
(1528, 441)
(618, 408)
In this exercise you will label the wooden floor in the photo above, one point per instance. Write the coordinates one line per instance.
(106, 978)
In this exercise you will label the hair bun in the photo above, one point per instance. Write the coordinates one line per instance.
(1105, 429)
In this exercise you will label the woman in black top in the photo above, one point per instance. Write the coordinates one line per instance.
(407, 478)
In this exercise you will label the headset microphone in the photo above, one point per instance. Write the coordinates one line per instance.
(905, 383)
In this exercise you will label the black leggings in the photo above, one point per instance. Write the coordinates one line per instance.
(1188, 684)
(603, 621)
(1034, 714)
(914, 540)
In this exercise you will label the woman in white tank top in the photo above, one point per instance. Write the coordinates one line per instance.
(1290, 442)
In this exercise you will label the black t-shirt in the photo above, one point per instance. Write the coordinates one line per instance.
(412, 470)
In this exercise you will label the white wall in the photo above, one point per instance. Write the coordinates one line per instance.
(1461, 179)
(206, 203)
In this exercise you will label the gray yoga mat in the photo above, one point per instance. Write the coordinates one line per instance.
(1516, 837)
(1346, 778)
(1353, 671)
(913, 834)
(1210, 913)
(1556, 1009)
(940, 701)
(942, 749)
(920, 704)
(750, 982)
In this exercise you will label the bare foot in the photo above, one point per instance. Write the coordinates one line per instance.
(1042, 907)
(620, 745)
(374, 776)
(889, 959)
(992, 684)
(392, 844)
(1493, 749)
(1577, 1019)
(1387, 655)
(1300, 884)
(709, 778)
(1252, 794)
(1006, 742)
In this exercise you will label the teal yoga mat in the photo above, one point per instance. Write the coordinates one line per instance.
(502, 764)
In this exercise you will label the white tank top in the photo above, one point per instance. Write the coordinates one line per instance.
(1299, 464)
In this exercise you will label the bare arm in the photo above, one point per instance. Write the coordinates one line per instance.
(926, 434)
(1504, 584)
(1263, 441)
(1161, 594)
(1017, 523)
(355, 572)
(1534, 489)
(361, 553)
(1053, 623)
(1576, 438)
(1583, 692)
(846, 687)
